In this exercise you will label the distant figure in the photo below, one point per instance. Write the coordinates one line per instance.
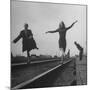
(68, 54)
(80, 50)
(62, 36)
(28, 41)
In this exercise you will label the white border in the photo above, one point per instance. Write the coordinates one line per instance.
(5, 43)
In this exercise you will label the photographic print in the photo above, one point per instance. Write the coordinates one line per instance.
(48, 44)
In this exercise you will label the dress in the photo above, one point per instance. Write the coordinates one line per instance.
(62, 40)
(27, 43)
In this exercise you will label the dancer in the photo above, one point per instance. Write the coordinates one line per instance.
(28, 41)
(80, 50)
(62, 36)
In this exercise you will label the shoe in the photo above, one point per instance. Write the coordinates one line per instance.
(37, 48)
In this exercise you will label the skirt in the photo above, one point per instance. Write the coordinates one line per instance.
(62, 44)
(29, 44)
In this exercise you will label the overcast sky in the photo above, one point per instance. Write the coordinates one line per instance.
(43, 17)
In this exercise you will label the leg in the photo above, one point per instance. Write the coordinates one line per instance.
(63, 54)
(28, 56)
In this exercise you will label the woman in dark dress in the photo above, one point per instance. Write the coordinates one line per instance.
(62, 36)
(28, 42)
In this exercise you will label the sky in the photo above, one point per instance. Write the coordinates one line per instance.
(43, 17)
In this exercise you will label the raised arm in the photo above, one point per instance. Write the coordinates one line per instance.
(71, 25)
(52, 31)
(78, 46)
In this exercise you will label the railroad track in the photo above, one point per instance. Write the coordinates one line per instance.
(34, 62)
(34, 79)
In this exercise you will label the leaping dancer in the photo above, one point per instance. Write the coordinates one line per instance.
(28, 41)
(62, 36)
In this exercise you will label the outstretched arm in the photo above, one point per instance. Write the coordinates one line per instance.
(71, 25)
(17, 38)
(52, 31)
(78, 46)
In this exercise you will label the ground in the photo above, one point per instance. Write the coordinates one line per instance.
(73, 73)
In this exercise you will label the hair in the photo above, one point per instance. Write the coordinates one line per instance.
(25, 25)
(62, 25)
